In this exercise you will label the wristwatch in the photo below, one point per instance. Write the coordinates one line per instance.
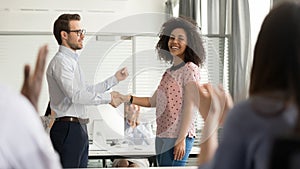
(131, 99)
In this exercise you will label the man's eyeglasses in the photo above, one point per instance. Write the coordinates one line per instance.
(79, 31)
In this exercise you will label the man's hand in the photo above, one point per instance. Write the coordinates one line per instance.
(122, 74)
(33, 83)
(117, 99)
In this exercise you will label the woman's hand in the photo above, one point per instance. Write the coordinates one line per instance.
(179, 150)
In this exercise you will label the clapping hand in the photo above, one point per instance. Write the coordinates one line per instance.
(33, 82)
(214, 100)
(214, 105)
(132, 113)
(205, 91)
(122, 74)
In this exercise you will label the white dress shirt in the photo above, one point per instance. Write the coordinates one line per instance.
(24, 143)
(69, 94)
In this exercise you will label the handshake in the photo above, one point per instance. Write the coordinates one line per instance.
(118, 98)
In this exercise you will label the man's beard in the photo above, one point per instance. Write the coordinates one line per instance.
(75, 46)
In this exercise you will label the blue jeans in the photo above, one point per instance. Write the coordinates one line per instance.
(164, 148)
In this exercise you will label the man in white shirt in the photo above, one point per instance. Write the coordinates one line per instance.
(24, 142)
(69, 94)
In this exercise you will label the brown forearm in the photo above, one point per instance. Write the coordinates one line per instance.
(141, 101)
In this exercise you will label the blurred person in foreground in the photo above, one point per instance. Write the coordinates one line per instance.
(24, 142)
(272, 111)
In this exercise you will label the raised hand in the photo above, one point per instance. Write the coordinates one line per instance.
(205, 99)
(33, 83)
(122, 74)
(228, 105)
(214, 104)
(214, 100)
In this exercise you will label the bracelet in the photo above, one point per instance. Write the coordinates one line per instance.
(131, 99)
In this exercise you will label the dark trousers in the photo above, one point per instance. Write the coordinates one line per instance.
(70, 140)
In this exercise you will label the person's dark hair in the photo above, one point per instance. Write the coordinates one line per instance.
(194, 51)
(276, 64)
(62, 24)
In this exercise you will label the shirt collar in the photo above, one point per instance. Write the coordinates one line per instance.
(68, 52)
(176, 67)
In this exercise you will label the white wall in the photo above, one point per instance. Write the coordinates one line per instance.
(39, 15)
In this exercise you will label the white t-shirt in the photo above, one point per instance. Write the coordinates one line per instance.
(23, 140)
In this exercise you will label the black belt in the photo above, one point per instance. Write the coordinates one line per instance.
(73, 119)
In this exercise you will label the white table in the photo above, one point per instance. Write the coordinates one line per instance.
(129, 151)
(122, 151)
